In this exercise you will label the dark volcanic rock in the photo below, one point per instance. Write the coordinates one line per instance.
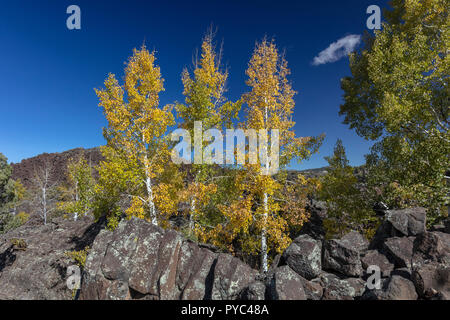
(409, 222)
(335, 288)
(38, 269)
(230, 275)
(431, 265)
(304, 256)
(286, 284)
(394, 288)
(400, 223)
(152, 263)
(255, 291)
(25, 170)
(447, 225)
(313, 289)
(343, 255)
(314, 226)
(432, 280)
(434, 246)
(373, 257)
(400, 251)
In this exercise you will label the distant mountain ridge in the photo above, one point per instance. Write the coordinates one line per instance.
(25, 170)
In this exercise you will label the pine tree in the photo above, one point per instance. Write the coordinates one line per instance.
(348, 207)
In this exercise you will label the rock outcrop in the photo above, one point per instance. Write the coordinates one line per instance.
(344, 255)
(33, 263)
(142, 261)
(304, 256)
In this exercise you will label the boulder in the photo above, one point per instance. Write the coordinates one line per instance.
(399, 250)
(304, 256)
(336, 288)
(313, 289)
(394, 288)
(254, 291)
(409, 222)
(33, 260)
(343, 255)
(286, 284)
(314, 226)
(230, 277)
(434, 246)
(432, 280)
(373, 257)
(142, 261)
(400, 223)
(447, 225)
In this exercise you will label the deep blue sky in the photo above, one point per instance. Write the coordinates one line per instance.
(47, 101)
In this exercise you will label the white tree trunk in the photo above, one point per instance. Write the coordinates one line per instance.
(44, 204)
(191, 217)
(264, 266)
(150, 200)
(75, 217)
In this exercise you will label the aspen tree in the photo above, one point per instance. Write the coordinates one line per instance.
(205, 102)
(137, 126)
(270, 107)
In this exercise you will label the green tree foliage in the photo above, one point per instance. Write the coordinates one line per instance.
(138, 150)
(348, 207)
(5, 182)
(398, 93)
(206, 102)
(81, 187)
(12, 192)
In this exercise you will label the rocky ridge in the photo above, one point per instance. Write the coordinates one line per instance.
(142, 261)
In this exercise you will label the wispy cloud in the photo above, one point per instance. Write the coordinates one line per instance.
(337, 50)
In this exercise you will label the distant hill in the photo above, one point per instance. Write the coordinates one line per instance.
(25, 170)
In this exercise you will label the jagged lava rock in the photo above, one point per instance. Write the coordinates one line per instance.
(254, 291)
(336, 288)
(431, 265)
(151, 263)
(304, 256)
(394, 288)
(375, 258)
(38, 271)
(313, 289)
(432, 280)
(399, 250)
(343, 255)
(286, 284)
(410, 222)
(400, 223)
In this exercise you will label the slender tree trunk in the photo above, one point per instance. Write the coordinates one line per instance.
(75, 217)
(151, 203)
(264, 266)
(44, 204)
(191, 217)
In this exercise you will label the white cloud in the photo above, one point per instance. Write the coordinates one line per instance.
(337, 50)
